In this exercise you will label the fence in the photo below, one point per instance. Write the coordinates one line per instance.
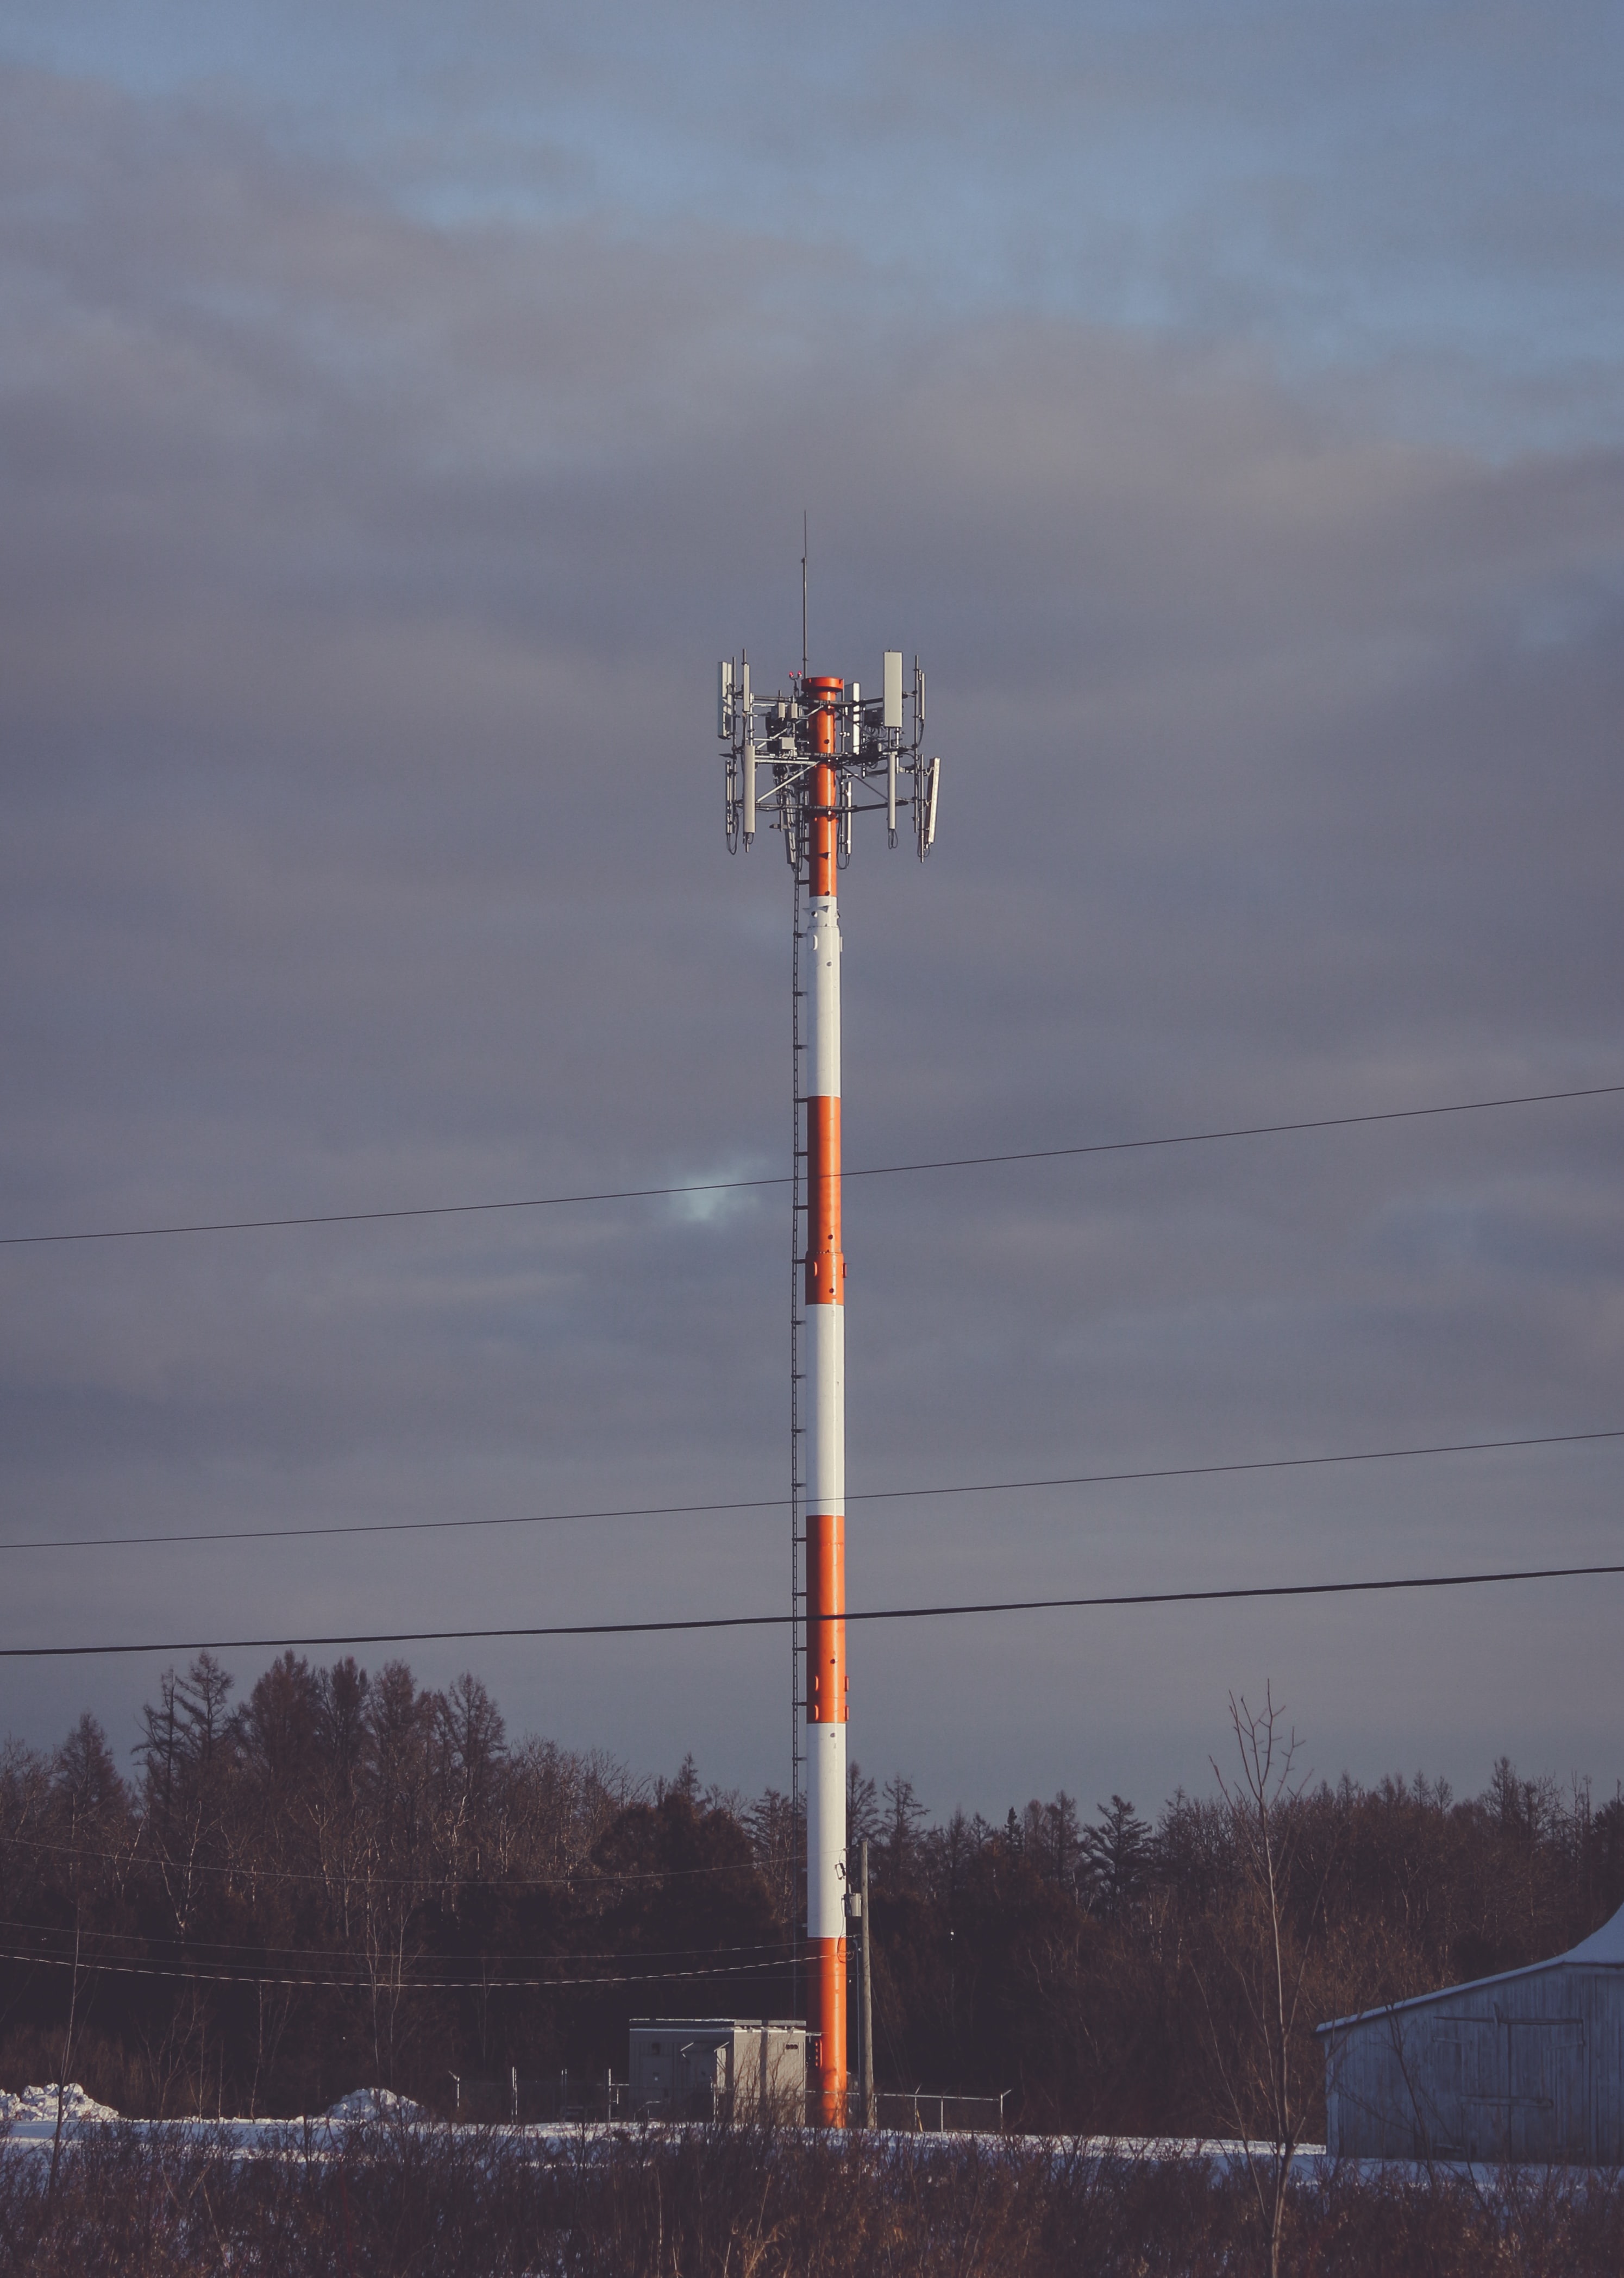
(919, 2112)
(565, 2097)
(540, 2098)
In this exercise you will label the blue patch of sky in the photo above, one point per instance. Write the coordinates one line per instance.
(1356, 187)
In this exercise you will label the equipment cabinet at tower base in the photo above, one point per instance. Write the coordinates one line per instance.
(718, 2068)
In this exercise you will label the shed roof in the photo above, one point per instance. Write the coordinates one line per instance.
(717, 2024)
(1603, 1949)
(1605, 1944)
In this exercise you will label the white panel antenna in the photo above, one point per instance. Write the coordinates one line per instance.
(891, 717)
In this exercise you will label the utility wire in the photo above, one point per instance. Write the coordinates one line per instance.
(872, 1171)
(781, 1621)
(200, 1949)
(371, 1985)
(588, 1875)
(779, 1503)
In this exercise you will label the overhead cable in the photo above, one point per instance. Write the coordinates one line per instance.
(590, 1872)
(872, 1171)
(778, 1502)
(679, 1623)
(201, 1949)
(483, 1985)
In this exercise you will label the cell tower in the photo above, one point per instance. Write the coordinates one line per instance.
(806, 765)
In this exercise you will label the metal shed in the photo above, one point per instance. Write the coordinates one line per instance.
(718, 2068)
(1526, 2066)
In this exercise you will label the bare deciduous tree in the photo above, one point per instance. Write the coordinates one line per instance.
(1263, 1960)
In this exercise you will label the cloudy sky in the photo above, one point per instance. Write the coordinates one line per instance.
(400, 412)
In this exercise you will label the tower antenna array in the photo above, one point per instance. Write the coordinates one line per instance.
(806, 765)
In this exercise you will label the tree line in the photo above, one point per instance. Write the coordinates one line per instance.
(348, 1878)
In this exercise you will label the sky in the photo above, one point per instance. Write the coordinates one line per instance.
(400, 412)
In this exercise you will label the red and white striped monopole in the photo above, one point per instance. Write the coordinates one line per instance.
(827, 1685)
(831, 756)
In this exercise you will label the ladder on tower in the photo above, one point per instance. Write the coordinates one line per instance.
(796, 1894)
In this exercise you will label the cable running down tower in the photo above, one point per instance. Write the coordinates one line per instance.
(806, 765)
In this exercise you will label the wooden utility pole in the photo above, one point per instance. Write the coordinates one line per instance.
(865, 2052)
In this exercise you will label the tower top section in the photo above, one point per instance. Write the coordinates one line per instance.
(824, 753)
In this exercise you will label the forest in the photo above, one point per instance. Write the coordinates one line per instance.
(347, 1880)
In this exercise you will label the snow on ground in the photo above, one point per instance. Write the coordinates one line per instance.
(29, 2117)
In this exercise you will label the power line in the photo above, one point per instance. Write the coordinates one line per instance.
(778, 1502)
(873, 1171)
(396, 1525)
(589, 1872)
(676, 1624)
(372, 1985)
(202, 1948)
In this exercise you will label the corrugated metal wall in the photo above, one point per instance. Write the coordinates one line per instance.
(1524, 2067)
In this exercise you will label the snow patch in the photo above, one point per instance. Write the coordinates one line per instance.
(374, 2104)
(1605, 1944)
(35, 2105)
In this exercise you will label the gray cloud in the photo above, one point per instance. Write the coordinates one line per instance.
(362, 578)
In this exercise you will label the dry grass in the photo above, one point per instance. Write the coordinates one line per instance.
(438, 2203)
